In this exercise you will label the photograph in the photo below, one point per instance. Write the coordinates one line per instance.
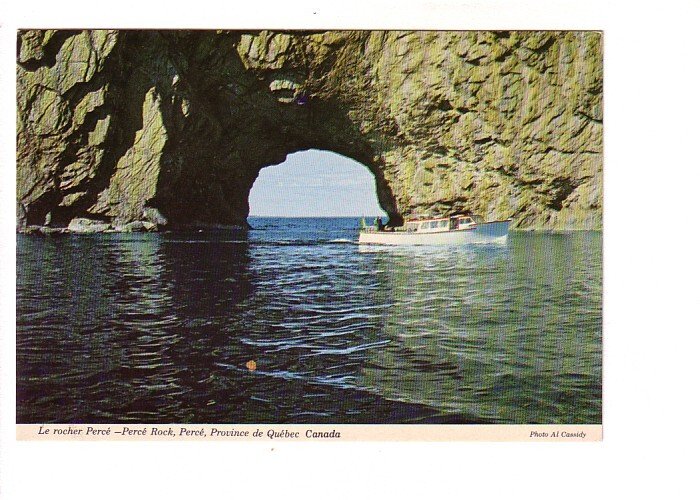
(329, 227)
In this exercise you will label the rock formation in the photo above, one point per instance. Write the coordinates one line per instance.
(174, 126)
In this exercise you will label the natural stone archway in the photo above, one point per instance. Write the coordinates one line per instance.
(505, 124)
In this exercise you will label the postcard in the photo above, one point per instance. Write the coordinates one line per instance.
(339, 235)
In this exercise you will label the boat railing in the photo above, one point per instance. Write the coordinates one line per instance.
(385, 229)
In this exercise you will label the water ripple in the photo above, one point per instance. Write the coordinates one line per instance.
(159, 328)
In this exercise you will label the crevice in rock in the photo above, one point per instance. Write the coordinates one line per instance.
(444, 105)
(475, 61)
(545, 46)
(37, 211)
(588, 117)
(50, 50)
(562, 188)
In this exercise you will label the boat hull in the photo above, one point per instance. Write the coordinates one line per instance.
(486, 233)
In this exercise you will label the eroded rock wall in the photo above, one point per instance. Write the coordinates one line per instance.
(118, 125)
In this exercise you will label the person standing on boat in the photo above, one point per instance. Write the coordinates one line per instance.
(379, 224)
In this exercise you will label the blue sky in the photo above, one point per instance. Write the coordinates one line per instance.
(315, 183)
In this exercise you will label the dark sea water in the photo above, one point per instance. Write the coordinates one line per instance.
(159, 328)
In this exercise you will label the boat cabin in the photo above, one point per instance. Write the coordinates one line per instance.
(454, 223)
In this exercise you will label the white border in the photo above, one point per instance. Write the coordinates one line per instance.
(651, 279)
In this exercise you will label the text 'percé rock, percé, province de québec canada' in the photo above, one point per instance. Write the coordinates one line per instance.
(172, 127)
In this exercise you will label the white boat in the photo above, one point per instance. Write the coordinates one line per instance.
(455, 230)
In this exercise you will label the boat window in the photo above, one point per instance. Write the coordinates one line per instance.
(425, 225)
(443, 223)
(433, 224)
(465, 220)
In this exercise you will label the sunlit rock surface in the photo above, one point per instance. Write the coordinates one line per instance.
(114, 124)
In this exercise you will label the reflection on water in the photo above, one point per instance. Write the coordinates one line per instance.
(497, 334)
(159, 327)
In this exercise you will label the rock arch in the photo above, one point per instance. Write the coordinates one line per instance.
(114, 123)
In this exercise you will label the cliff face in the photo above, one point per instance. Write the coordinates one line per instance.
(114, 124)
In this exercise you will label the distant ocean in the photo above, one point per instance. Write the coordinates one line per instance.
(158, 328)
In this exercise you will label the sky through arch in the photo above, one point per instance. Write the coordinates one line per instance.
(315, 183)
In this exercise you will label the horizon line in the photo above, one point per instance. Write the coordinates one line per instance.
(317, 216)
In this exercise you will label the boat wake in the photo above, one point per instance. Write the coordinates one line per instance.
(291, 242)
(306, 243)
